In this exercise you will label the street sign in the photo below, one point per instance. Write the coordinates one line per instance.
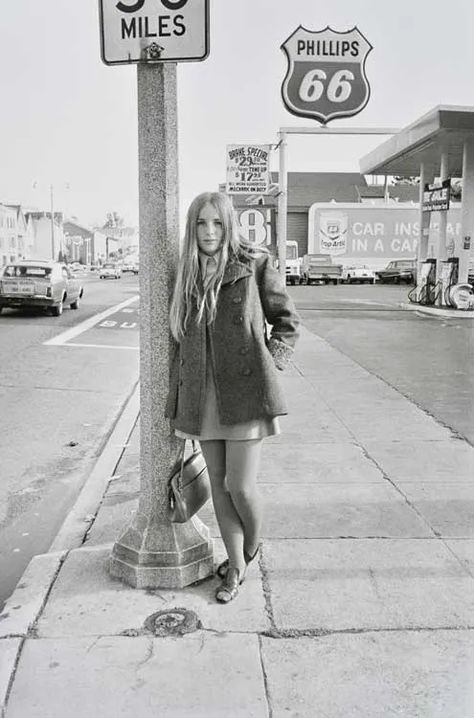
(248, 169)
(436, 196)
(326, 73)
(153, 30)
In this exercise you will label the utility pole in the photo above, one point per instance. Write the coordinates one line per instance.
(51, 193)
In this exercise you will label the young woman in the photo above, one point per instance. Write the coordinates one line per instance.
(224, 388)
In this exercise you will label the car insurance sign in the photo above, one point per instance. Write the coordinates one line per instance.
(326, 76)
(153, 30)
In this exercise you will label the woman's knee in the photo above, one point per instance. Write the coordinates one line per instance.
(243, 493)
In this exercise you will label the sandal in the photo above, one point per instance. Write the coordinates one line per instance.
(229, 587)
(248, 558)
(223, 567)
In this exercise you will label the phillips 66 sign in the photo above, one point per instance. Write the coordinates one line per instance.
(326, 73)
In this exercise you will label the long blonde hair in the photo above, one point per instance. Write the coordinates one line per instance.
(188, 288)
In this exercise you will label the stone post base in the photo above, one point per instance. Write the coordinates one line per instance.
(148, 555)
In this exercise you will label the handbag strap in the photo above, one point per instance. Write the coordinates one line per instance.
(181, 471)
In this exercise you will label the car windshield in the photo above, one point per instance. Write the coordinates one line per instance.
(16, 271)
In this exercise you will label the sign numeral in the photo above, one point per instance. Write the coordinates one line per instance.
(168, 4)
(338, 89)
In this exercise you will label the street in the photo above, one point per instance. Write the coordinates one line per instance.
(61, 396)
(60, 400)
(425, 358)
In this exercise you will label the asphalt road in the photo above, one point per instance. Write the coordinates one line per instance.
(427, 359)
(57, 403)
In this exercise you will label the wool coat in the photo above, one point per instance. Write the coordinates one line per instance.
(244, 362)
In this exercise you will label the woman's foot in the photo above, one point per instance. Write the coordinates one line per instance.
(249, 557)
(229, 587)
(223, 567)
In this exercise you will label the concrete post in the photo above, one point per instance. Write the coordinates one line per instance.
(152, 552)
(465, 241)
(282, 205)
(425, 217)
(441, 250)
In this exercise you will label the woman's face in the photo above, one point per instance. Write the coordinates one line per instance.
(210, 231)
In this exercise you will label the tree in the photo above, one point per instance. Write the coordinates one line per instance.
(406, 180)
(113, 220)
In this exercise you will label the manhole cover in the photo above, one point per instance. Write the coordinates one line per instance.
(173, 622)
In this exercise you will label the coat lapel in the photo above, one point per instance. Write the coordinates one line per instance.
(234, 271)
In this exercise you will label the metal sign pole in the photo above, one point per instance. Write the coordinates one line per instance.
(282, 205)
(152, 552)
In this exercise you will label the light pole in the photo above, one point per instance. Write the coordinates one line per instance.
(51, 194)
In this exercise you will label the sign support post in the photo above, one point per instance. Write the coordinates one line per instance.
(282, 205)
(152, 552)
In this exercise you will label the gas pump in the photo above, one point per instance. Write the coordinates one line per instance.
(424, 292)
(448, 278)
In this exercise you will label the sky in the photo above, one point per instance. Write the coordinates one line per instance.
(69, 122)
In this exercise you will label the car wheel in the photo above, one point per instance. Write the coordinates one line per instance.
(57, 310)
(75, 304)
(101, 276)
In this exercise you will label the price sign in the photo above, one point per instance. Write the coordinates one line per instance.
(248, 169)
(326, 73)
(153, 30)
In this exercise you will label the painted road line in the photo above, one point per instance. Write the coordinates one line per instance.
(64, 337)
(101, 346)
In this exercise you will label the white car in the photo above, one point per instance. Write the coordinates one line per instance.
(361, 274)
(110, 271)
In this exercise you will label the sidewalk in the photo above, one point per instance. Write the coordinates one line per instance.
(362, 604)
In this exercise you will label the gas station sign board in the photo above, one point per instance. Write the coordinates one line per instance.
(436, 196)
(153, 30)
(326, 73)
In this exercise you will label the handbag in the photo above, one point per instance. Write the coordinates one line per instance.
(189, 486)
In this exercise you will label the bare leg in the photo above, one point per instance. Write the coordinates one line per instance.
(230, 525)
(242, 463)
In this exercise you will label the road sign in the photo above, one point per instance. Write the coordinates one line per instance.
(326, 73)
(153, 30)
(248, 169)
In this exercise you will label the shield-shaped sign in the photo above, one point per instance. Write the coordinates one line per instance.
(326, 73)
(333, 232)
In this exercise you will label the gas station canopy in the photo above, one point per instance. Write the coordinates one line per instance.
(443, 129)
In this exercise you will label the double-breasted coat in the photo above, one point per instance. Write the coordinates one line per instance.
(244, 362)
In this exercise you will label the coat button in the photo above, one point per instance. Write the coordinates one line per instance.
(244, 350)
(238, 320)
(247, 371)
(237, 300)
(181, 362)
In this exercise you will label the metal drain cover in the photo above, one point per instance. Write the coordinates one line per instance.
(173, 622)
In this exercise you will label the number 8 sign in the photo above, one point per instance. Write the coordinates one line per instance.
(326, 73)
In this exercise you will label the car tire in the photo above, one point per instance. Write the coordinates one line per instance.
(75, 304)
(57, 309)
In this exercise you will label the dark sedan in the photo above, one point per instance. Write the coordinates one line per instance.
(399, 270)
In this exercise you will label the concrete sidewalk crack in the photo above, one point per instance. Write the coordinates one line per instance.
(266, 683)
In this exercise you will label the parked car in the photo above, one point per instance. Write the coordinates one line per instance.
(399, 270)
(36, 283)
(130, 266)
(361, 274)
(319, 269)
(110, 271)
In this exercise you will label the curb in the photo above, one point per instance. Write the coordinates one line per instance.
(79, 519)
(443, 313)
